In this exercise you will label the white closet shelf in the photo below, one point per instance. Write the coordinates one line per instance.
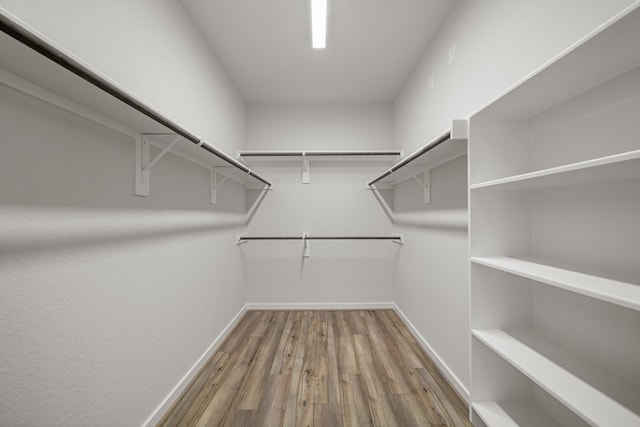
(604, 53)
(613, 291)
(447, 146)
(513, 414)
(34, 65)
(596, 394)
(608, 168)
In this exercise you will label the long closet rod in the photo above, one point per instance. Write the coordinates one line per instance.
(247, 238)
(433, 144)
(286, 153)
(25, 35)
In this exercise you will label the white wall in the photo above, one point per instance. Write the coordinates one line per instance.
(336, 202)
(151, 48)
(497, 43)
(107, 299)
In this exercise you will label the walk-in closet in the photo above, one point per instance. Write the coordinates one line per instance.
(325, 213)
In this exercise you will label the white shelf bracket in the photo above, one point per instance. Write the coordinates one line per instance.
(425, 183)
(143, 165)
(305, 168)
(215, 184)
(142, 159)
(239, 240)
(306, 250)
(214, 187)
(148, 166)
(400, 240)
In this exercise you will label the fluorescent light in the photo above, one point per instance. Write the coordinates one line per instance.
(319, 24)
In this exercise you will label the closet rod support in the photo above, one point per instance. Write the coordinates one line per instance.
(168, 148)
(142, 175)
(215, 184)
(305, 168)
(306, 250)
(399, 240)
(425, 183)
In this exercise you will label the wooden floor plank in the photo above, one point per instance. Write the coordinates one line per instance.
(394, 331)
(200, 390)
(355, 405)
(240, 418)
(344, 339)
(321, 394)
(306, 386)
(240, 333)
(285, 356)
(387, 357)
(319, 368)
(333, 381)
(270, 411)
(251, 391)
(291, 409)
(378, 392)
(411, 411)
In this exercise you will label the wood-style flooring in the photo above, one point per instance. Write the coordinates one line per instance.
(319, 368)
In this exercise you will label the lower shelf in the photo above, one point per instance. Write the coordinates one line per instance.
(597, 395)
(512, 414)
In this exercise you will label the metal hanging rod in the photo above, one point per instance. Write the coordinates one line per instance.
(305, 238)
(433, 144)
(287, 153)
(248, 238)
(26, 36)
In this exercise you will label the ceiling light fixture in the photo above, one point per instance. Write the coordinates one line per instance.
(319, 24)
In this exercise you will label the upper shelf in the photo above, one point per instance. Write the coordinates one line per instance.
(447, 146)
(605, 53)
(52, 74)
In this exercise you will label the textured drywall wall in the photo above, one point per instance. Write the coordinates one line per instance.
(108, 299)
(497, 43)
(335, 202)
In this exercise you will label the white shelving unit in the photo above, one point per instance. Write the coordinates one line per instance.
(554, 199)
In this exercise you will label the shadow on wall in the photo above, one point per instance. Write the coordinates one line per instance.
(49, 157)
(28, 229)
(405, 205)
(68, 183)
(448, 189)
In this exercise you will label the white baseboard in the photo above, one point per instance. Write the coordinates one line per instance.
(155, 417)
(458, 386)
(320, 306)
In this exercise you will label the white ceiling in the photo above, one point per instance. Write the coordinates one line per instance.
(372, 46)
